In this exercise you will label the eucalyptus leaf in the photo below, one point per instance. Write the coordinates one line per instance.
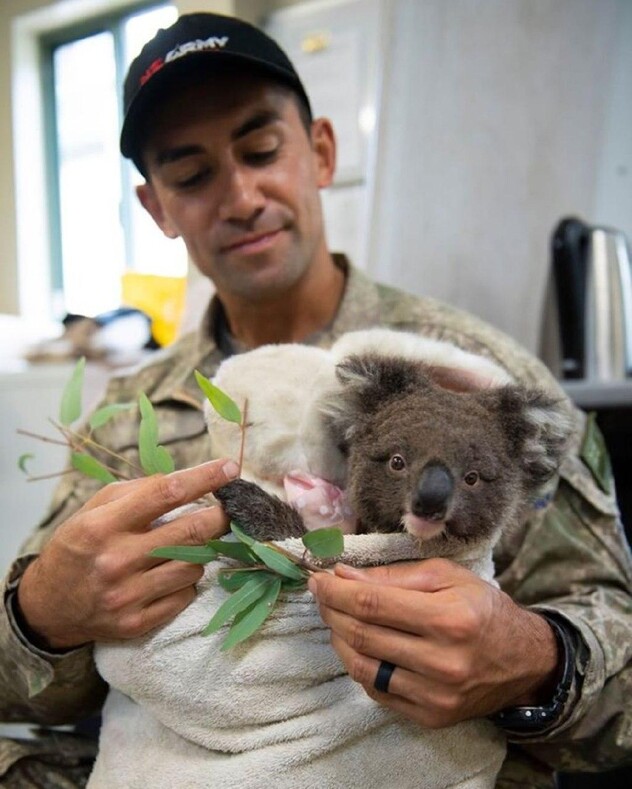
(23, 460)
(249, 593)
(221, 402)
(234, 550)
(277, 561)
(196, 554)
(163, 461)
(154, 459)
(232, 580)
(103, 415)
(70, 406)
(324, 543)
(293, 585)
(241, 535)
(252, 619)
(91, 467)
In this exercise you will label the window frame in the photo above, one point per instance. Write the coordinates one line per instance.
(113, 22)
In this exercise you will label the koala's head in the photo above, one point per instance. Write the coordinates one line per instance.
(431, 460)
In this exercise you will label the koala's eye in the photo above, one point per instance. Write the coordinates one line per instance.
(397, 463)
(471, 478)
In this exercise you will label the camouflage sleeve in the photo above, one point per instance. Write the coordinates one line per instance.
(575, 562)
(35, 685)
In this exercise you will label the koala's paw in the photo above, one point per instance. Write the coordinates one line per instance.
(259, 514)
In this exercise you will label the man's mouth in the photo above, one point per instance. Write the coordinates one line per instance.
(252, 243)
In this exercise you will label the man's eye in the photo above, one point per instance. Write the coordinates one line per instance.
(195, 179)
(261, 157)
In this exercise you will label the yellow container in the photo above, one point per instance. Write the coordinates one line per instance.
(161, 298)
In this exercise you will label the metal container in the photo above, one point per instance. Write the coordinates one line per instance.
(592, 273)
(608, 306)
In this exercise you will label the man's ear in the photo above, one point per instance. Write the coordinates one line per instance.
(324, 147)
(150, 202)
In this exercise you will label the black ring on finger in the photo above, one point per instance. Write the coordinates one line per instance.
(383, 676)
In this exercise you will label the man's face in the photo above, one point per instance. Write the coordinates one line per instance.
(234, 172)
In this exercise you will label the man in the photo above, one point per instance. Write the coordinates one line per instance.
(220, 125)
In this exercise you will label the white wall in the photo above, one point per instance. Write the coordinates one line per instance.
(613, 204)
(493, 127)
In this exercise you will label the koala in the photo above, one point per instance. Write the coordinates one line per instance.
(425, 452)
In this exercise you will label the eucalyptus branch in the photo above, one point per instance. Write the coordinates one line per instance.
(85, 441)
(242, 428)
(45, 439)
(301, 561)
(41, 477)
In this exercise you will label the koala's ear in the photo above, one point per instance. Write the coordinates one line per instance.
(539, 427)
(366, 383)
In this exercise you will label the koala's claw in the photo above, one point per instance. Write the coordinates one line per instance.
(259, 514)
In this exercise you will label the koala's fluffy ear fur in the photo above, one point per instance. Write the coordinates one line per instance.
(538, 425)
(367, 381)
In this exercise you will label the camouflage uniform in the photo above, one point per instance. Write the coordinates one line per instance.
(573, 560)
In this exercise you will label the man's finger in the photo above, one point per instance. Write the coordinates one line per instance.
(409, 693)
(161, 611)
(384, 643)
(162, 493)
(113, 492)
(426, 575)
(168, 578)
(390, 606)
(193, 528)
(363, 669)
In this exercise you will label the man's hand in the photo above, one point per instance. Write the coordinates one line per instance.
(95, 579)
(463, 649)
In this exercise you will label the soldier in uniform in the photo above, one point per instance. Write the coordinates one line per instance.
(219, 124)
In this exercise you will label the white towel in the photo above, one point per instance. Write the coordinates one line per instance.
(277, 710)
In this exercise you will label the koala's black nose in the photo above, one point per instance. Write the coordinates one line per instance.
(433, 493)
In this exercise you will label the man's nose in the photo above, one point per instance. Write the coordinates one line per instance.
(241, 198)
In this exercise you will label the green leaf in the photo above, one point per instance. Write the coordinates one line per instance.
(277, 561)
(103, 415)
(324, 543)
(241, 535)
(91, 467)
(70, 407)
(163, 461)
(292, 585)
(249, 593)
(220, 401)
(232, 580)
(234, 550)
(154, 459)
(23, 460)
(252, 619)
(196, 554)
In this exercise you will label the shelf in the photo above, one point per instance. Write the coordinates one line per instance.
(600, 394)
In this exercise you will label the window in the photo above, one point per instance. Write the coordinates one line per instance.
(98, 229)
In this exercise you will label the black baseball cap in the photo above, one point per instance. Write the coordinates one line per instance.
(197, 44)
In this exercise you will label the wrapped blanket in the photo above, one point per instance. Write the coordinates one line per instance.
(277, 710)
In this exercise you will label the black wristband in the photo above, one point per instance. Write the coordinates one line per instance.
(530, 720)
